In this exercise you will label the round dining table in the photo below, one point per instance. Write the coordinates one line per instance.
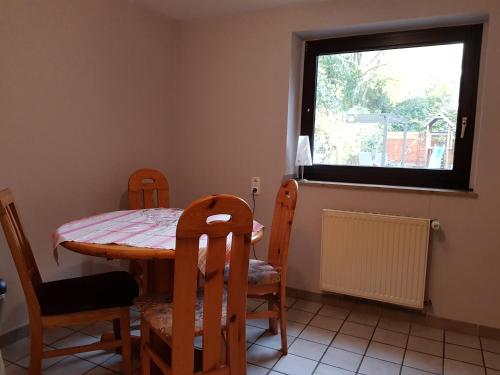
(146, 234)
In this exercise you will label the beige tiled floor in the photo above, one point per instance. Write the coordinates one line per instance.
(322, 340)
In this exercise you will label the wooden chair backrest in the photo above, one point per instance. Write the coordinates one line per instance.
(284, 210)
(193, 224)
(21, 250)
(142, 186)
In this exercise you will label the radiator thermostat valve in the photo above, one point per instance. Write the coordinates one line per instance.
(435, 224)
(3, 288)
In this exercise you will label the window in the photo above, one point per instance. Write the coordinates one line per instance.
(392, 109)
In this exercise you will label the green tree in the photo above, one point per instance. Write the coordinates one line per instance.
(346, 82)
(416, 111)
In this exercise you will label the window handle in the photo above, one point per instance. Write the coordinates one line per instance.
(464, 126)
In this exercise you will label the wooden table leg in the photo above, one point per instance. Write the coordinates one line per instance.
(159, 277)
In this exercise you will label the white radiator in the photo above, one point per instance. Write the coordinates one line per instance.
(374, 256)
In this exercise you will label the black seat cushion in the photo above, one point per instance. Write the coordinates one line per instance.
(101, 291)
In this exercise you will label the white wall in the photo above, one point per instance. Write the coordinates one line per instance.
(85, 98)
(232, 123)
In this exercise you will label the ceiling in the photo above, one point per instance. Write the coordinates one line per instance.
(188, 9)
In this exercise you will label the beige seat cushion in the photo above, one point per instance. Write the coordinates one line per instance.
(157, 311)
(259, 273)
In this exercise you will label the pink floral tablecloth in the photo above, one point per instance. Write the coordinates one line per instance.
(148, 228)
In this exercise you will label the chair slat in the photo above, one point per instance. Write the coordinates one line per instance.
(186, 272)
(236, 304)
(149, 198)
(134, 200)
(213, 293)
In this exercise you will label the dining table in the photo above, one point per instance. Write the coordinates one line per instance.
(145, 234)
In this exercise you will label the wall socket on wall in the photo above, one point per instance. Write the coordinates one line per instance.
(255, 185)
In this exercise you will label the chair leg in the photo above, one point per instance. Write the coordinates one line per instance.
(236, 350)
(126, 342)
(273, 322)
(136, 269)
(117, 328)
(117, 333)
(145, 340)
(282, 312)
(36, 347)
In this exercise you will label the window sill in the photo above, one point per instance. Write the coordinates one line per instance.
(397, 189)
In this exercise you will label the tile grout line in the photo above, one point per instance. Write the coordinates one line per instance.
(482, 355)
(333, 339)
(93, 368)
(466, 347)
(72, 355)
(385, 343)
(29, 356)
(307, 325)
(367, 346)
(409, 334)
(406, 348)
(61, 358)
(444, 351)
(258, 337)
(266, 330)
(411, 327)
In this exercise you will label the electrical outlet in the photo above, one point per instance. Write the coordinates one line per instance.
(255, 185)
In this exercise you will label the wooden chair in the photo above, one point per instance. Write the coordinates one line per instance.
(67, 302)
(217, 312)
(147, 188)
(268, 279)
(142, 186)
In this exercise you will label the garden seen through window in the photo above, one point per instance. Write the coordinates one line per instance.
(389, 108)
(395, 108)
